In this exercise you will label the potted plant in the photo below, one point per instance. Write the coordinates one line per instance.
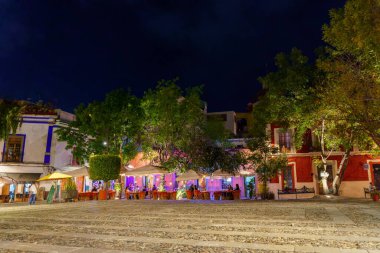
(118, 190)
(375, 195)
(70, 192)
(106, 168)
(251, 188)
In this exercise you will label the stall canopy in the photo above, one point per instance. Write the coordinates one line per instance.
(221, 174)
(54, 176)
(21, 177)
(189, 175)
(144, 171)
(78, 172)
(5, 180)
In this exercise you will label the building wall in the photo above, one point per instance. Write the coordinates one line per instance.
(60, 156)
(35, 142)
(37, 129)
(230, 122)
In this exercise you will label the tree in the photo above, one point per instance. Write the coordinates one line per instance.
(352, 65)
(174, 119)
(111, 126)
(177, 134)
(10, 117)
(266, 160)
(297, 96)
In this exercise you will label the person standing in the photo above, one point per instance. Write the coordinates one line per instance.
(32, 194)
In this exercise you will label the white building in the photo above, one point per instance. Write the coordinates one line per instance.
(33, 151)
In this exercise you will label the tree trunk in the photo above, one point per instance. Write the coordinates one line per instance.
(106, 188)
(340, 173)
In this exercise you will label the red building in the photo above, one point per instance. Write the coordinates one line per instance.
(362, 168)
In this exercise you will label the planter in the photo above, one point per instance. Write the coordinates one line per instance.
(375, 197)
(206, 195)
(141, 195)
(217, 195)
(69, 195)
(189, 194)
(127, 195)
(111, 194)
(236, 194)
(155, 195)
(102, 195)
(163, 195)
(197, 194)
(173, 195)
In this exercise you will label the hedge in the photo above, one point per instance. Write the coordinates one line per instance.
(104, 167)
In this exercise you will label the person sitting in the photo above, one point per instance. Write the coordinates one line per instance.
(94, 189)
(191, 188)
(127, 193)
(371, 187)
(195, 188)
(145, 189)
(230, 188)
(154, 188)
(237, 188)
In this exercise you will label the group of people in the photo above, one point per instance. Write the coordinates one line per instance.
(135, 188)
(229, 187)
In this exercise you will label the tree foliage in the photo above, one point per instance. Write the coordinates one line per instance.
(111, 126)
(266, 160)
(290, 99)
(177, 134)
(10, 117)
(352, 64)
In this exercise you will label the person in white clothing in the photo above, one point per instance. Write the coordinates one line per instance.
(32, 194)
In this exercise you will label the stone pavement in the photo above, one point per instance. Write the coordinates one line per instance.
(351, 226)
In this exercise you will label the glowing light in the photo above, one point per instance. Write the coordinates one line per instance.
(104, 143)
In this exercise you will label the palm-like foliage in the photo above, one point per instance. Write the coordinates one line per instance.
(10, 113)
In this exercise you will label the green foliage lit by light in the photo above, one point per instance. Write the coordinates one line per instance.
(10, 117)
(104, 167)
(116, 121)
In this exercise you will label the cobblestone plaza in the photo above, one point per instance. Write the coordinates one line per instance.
(186, 226)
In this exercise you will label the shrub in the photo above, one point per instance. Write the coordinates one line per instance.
(70, 185)
(104, 167)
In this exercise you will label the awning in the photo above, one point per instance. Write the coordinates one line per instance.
(22, 177)
(189, 175)
(144, 171)
(79, 172)
(25, 168)
(221, 174)
(54, 176)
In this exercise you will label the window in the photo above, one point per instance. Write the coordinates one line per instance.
(285, 140)
(225, 183)
(13, 149)
(288, 178)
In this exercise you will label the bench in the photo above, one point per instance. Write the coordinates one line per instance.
(295, 191)
(366, 191)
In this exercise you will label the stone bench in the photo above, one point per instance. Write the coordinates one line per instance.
(295, 191)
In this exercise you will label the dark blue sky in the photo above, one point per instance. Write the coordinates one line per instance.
(68, 52)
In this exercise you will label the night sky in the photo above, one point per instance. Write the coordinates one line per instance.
(71, 52)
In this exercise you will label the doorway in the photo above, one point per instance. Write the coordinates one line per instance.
(376, 175)
(330, 179)
(250, 186)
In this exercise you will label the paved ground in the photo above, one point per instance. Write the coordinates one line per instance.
(183, 226)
